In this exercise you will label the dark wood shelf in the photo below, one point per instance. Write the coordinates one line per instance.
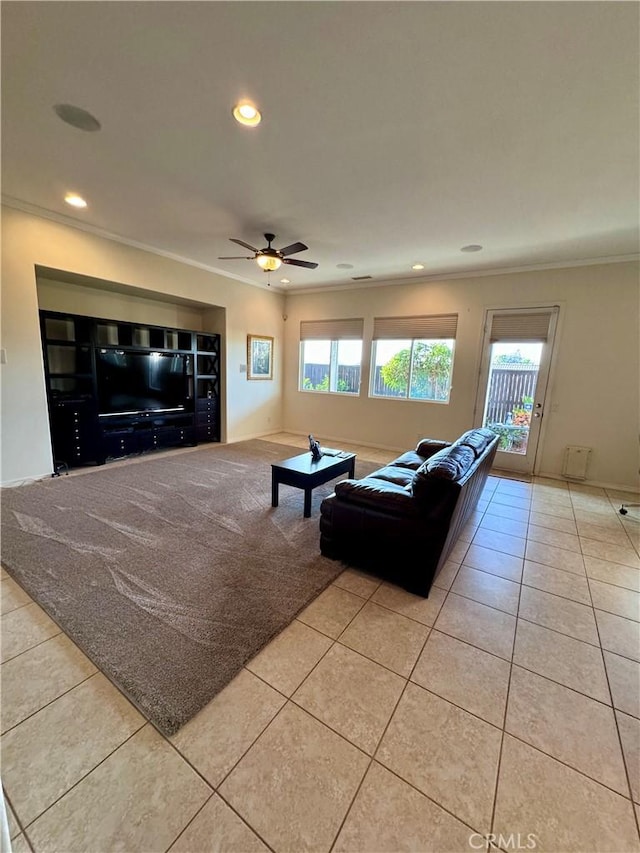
(81, 434)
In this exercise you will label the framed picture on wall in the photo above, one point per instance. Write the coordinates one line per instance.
(259, 357)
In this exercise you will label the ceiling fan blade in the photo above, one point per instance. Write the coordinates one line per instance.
(293, 249)
(235, 258)
(308, 264)
(242, 243)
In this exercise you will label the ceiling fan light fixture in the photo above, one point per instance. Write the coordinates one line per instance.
(268, 263)
(270, 259)
(245, 113)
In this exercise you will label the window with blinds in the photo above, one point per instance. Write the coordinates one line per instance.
(331, 355)
(525, 327)
(412, 357)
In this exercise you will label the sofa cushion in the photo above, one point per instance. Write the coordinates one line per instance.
(392, 474)
(410, 459)
(377, 495)
(451, 463)
(477, 440)
(428, 446)
(448, 464)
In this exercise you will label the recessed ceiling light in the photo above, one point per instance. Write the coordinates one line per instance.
(472, 247)
(285, 281)
(417, 267)
(246, 114)
(75, 200)
(77, 117)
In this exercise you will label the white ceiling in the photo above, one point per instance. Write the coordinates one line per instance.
(392, 132)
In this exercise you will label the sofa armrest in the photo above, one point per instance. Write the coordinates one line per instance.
(368, 493)
(428, 446)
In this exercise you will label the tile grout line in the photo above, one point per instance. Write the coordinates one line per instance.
(422, 794)
(29, 825)
(569, 766)
(288, 700)
(215, 788)
(59, 696)
(546, 592)
(386, 727)
(431, 628)
(188, 824)
(325, 723)
(39, 643)
(615, 719)
(269, 724)
(380, 739)
(506, 709)
(16, 816)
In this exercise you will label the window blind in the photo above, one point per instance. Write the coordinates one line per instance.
(331, 330)
(525, 327)
(412, 328)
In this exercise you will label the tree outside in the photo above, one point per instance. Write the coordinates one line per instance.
(430, 375)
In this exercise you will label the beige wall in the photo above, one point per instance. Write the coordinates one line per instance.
(593, 395)
(252, 408)
(95, 301)
(594, 391)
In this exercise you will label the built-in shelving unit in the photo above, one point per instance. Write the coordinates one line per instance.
(117, 388)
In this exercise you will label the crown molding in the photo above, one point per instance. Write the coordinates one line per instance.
(483, 273)
(61, 219)
(294, 290)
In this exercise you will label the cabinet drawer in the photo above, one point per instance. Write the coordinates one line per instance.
(120, 443)
(203, 418)
(73, 432)
(174, 436)
(207, 433)
(206, 404)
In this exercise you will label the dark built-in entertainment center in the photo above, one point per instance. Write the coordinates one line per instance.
(116, 388)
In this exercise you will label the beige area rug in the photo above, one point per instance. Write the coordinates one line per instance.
(170, 573)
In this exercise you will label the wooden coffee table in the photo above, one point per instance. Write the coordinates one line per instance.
(305, 473)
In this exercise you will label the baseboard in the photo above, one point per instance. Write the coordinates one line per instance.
(511, 475)
(338, 441)
(252, 435)
(598, 484)
(25, 481)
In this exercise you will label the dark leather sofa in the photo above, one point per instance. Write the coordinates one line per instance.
(402, 520)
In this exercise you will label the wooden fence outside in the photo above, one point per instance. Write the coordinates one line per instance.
(348, 379)
(507, 386)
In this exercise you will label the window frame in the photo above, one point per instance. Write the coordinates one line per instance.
(333, 368)
(408, 332)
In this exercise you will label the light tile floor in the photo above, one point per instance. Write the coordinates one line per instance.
(508, 702)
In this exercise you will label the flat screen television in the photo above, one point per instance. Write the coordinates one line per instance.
(130, 382)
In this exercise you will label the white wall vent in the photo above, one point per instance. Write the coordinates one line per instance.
(576, 460)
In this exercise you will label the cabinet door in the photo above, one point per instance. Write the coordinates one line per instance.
(120, 443)
(207, 432)
(207, 420)
(74, 432)
(175, 436)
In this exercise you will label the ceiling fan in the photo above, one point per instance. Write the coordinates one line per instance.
(270, 259)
